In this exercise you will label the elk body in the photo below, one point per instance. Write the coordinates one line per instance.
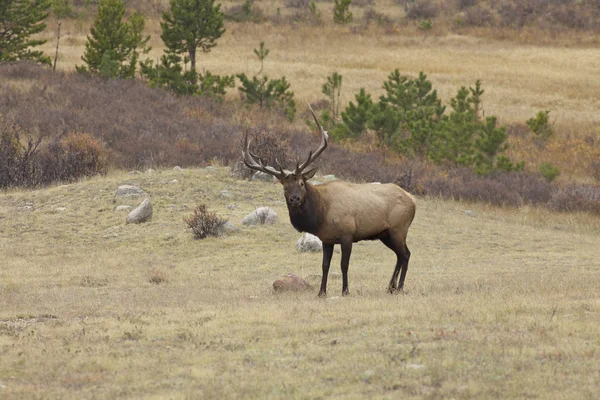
(343, 213)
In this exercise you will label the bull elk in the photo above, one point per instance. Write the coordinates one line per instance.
(343, 213)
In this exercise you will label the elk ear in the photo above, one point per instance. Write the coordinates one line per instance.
(309, 174)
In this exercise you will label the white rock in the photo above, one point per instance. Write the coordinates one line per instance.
(123, 208)
(177, 168)
(230, 228)
(129, 191)
(309, 243)
(60, 209)
(260, 216)
(141, 213)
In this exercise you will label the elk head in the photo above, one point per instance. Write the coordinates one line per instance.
(294, 182)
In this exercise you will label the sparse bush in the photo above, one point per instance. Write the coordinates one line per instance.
(270, 147)
(157, 276)
(19, 163)
(245, 12)
(297, 3)
(204, 223)
(422, 10)
(549, 171)
(595, 166)
(341, 12)
(372, 16)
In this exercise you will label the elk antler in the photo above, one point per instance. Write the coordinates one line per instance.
(250, 161)
(313, 156)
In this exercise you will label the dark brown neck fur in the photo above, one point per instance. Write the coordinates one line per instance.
(309, 216)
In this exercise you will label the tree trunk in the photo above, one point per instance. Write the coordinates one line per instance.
(192, 52)
(57, 42)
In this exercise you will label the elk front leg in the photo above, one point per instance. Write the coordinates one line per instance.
(327, 254)
(346, 251)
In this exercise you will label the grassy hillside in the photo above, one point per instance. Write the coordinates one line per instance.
(500, 303)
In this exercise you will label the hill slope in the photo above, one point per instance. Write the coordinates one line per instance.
(499, 303)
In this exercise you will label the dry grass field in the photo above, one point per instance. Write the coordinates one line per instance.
(519, 79)
(500, 303)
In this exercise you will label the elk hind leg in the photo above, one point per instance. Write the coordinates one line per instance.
(397, 245)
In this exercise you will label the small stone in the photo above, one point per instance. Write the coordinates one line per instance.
(134, 173)
(60, 209)
(141, 213)
(177, 168)
(226, 194)
(560, 228)
(232, 207)
(415, 366)
(470, 213)
(291, 283)
(173, 181)
(123, 208)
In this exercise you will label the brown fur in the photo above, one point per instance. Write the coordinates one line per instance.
(343, 213)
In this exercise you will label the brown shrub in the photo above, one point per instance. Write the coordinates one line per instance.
(422, 9)
(71, 157)
(204, 223)
(19, 164)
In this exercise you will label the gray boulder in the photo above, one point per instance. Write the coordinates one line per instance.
(260, 216)
(230, 228)
(291, 283)
(129, 191)
(309, 243)
(141, 213)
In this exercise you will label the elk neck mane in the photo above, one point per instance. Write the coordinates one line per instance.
(308, 216)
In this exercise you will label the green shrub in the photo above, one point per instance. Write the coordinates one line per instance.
(549, 171)
(540, 125)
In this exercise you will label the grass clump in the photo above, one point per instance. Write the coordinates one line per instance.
(204, 223)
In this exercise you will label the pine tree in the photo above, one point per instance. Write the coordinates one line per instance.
(19, 20)
(113, 46)
(192, 24)
(341, 12)
(356, 116)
